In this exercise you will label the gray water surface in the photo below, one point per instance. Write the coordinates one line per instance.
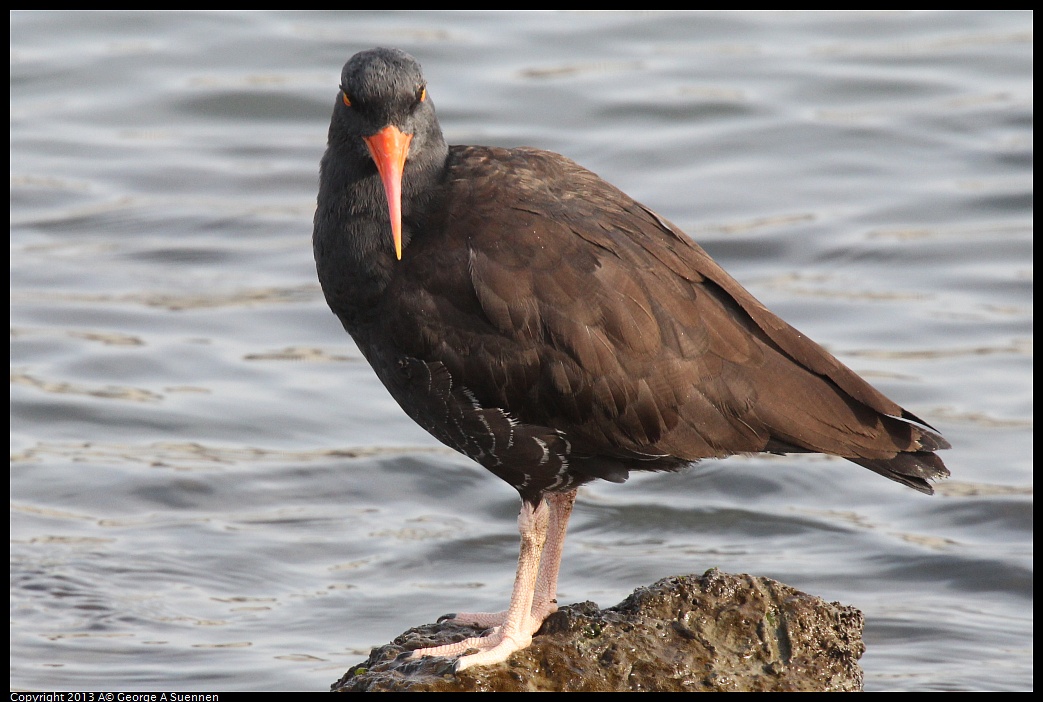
(211, 490)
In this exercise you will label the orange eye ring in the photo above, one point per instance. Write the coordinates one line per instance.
(344, 97)
(423, 94)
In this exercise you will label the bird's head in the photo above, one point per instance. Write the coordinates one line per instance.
(383, 102)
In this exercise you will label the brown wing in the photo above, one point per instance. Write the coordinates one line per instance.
(585, 313)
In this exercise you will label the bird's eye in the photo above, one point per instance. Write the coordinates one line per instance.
(345, 98)
(421, 93)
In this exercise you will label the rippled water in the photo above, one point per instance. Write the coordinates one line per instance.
(211, 490)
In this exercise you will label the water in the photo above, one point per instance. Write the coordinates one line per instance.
(210, 489)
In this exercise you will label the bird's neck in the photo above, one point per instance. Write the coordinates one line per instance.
(355, 258)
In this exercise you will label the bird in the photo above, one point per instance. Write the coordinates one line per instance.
(541, 322)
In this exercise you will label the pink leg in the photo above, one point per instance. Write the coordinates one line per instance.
(545, 601)
(535, 586)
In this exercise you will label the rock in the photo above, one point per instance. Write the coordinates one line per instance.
(715, 632)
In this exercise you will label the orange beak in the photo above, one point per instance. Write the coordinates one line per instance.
(389, 148)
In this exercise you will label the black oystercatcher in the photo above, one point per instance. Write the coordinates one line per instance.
(536, 319)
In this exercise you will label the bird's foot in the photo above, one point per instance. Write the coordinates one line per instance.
(478, 619)
(493, 650)
(539, 612)
(495, 645)
(533, 597)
